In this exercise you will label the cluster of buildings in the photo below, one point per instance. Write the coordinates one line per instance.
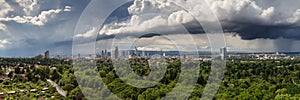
(117, 54)
(46, 55)
(2, 94)
(266, 56)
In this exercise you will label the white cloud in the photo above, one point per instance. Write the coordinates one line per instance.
(89, 33)
(295, 17)
(157, 48)
(137, 24)
(155, 23)
(3, 43)
(5, 8)
(38, 20)
(28, 5)
(67, 9)
(2, 27)
(150, 16)
(151, 6)
(266, 12)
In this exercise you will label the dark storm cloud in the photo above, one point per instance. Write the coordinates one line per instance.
(249, 31)
(147, 35)
(253, 20)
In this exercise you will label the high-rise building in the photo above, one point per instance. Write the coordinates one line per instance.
(105, 53)
(117, 53)
(129, 54)
(102, 53)
(223, 52)
(122, 55)
(136, 51)
(143, 54)
(47, 54)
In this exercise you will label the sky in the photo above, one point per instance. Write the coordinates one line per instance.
(30, 27)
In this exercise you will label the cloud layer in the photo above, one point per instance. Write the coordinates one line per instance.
(39, 20)
(150, 16)
(248, 11)
(248, 18)
(5, 8)
(29, 27)
(28, 5)
(3, 43)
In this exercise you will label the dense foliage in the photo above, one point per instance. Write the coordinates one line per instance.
(27, 77)
(244, 79)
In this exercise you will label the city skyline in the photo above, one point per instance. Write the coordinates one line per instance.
(149, 49)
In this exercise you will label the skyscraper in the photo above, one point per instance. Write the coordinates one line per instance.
(143, 54)
(47, 54)
(124, 54)
(117, 53)
(102, 53)
(129, 54)
(105, 53)
(223, 52)
(136, 51)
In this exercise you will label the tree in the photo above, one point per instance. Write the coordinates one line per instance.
(17, 70)
(283, 97)
(2, 72)
(68, 87)
(281, 91)
(109, 77)
(10, 74)
(55, 75)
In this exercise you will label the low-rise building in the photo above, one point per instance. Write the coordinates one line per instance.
(33, 90)
(2, 96)
(11, 92)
